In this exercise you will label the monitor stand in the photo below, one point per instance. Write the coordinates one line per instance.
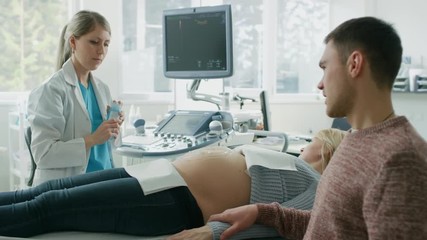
(192, 93)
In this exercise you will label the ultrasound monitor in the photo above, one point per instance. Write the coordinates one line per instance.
(197, 42)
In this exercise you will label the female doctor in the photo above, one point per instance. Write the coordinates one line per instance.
(68, 112)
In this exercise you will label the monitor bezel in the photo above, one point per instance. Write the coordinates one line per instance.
(205, 74)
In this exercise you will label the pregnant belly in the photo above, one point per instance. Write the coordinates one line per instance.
(217, 178)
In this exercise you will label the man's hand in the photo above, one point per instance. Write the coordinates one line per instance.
(201, 233)
(240, 218)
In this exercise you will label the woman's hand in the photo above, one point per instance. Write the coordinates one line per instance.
(240, 218)
(121, 118)
(200, 233)
(107, 129)
(121, 113)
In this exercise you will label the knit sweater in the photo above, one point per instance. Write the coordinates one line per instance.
(375, 187)
(294, 189)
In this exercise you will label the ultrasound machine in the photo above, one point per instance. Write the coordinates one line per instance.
(180, 132)
(197, 44)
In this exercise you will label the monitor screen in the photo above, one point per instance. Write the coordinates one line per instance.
(183, 124)
(187, 123)
(197, 42)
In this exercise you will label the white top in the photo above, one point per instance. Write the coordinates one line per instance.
(256, 156)
(156, 175)
(59, 120)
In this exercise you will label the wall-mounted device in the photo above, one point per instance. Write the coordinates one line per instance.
(420, 83)
(180, 132)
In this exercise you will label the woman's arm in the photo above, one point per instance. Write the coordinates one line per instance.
(254, 231)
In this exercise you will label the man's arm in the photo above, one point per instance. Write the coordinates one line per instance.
(289, 222)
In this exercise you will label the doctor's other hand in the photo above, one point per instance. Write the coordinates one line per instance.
(107, 129)
(240, 218)
(201, 233)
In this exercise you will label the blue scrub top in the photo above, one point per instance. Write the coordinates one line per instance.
(99, 158)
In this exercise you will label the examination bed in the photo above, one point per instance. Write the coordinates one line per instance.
(281, 145)
(96, 236)
(85, 236)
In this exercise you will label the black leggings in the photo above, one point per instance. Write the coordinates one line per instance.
(102, 201)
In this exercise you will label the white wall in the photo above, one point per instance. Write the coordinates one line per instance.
(407, 17)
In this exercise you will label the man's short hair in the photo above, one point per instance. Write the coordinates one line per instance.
(377, 40)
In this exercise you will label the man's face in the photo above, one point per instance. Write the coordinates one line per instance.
(335, 83)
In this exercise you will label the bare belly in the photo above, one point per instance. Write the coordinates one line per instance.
(217, 178)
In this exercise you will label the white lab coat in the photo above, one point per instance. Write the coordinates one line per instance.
(59, 121)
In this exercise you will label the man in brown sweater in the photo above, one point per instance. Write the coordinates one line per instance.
(375, 186)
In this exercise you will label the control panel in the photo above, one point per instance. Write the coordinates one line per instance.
(180, 132)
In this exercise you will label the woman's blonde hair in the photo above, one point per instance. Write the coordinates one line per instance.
(330, 139)
(82, 22)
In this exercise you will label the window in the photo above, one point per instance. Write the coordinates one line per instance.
(28, 31)
(248, 41)
(301, 28)
(277, 44)
(142, 60)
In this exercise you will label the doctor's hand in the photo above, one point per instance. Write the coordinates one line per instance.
(240, 219)
(105, 131)
(121, 114)
(200, 233)
(121, 118)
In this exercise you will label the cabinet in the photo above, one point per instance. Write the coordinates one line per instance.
(19, 156)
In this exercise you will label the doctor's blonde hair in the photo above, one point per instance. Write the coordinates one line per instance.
(330, 139)
(82, 23)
